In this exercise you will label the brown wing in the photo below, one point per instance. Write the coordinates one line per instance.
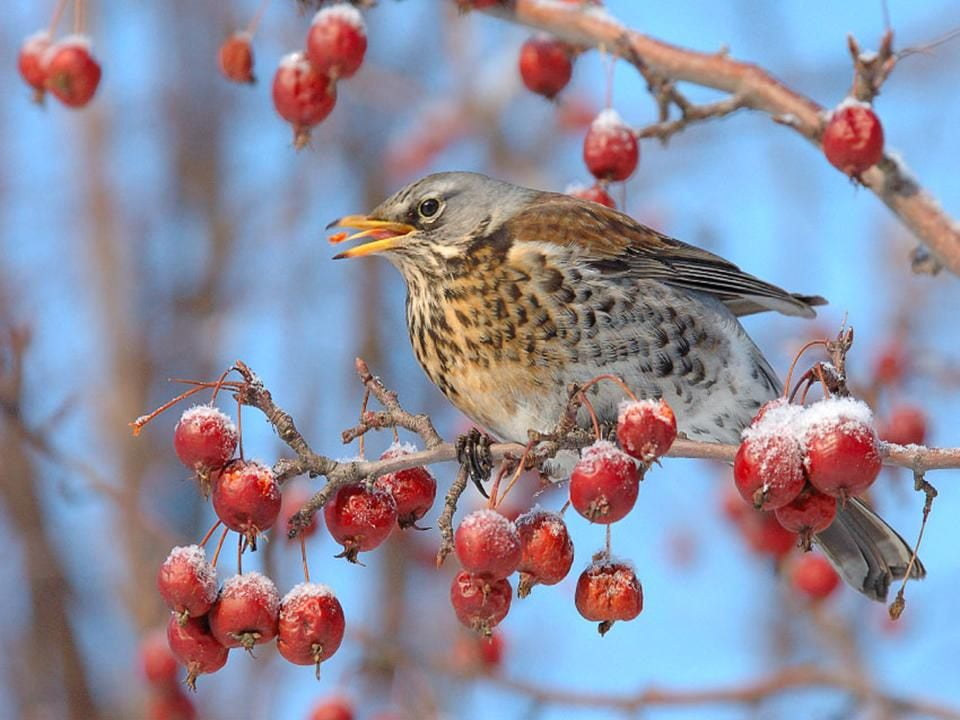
(619, 245)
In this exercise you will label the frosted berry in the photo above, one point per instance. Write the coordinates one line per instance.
(487, 544)
(646, 429)
(610, 149)
(302, 96)
(853, 138)
(768, 470)
(842, 450)
(604, 483)
(413, 490)
(195, 647)
(246, 612)
(547, 550)
(311, 626)
(360, 519)
(814, 576)
(246, 498)
(158, 663)
(204, 438)
(479, 602)
(72, 72)
(906, 425)
(546, 64)
(236, 58)
(31, 62)
(595, 193)
(335, 708)
(187, 582)
(807, 514)
(337, 41)
(608, 591)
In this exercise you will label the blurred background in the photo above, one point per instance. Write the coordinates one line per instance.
(170, 229)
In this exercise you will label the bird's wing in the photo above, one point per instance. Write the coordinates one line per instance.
(618, 245)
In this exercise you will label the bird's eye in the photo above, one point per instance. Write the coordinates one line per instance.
(429, 208)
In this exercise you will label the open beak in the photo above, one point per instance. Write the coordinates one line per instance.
(382, 234)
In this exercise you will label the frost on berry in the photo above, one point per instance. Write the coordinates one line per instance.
(204, 439)
(157, 661)
(360, 519)
(646, 428)
(72, 72)
(842, 450)
(302, 96)
(480, 602)
(604, 483)
(595, 193)
(413, 490)
(768, 467)
(245, 613)
(813, 575)
(236, 58)
(31, 62)
(487, 543)
(610, 149)
(187, 582)
(311, 625)
(608, 591)
(853, 137)
(807, 514)
(247, 499)
(333, 708)
(337, 41)
(195, 647)
(547, 550)
(546, 65)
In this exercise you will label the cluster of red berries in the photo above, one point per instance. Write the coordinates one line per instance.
(67, 68)
(798, 462)
(853, 137)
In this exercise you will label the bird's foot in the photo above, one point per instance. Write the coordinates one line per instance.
(473, 450)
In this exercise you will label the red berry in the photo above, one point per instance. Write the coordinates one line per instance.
(360, 519)
(807, 514)
(843, 455)
(205, 438)
(479, 602)
(72, 73)
(608, 591)
(311, 625)
(610, 149)
(236, 58)
(335, 708)
(245, 614)
(646, 429)
(413, 490)
(195, 647)
(491, 649)
(31, 62)
(158, 663)
(293, 499)
(761, 530)
(487, 544)
(546, 64)
(246, 498)
(337, 41)
(853, 138)
(768, 469)
(302, 96)
(813, 575)
(476, 4)
(547, 550)
(907, 425)
(604, 483)
(595, 193)
(890, 365)
(187, 582)
(170, 705)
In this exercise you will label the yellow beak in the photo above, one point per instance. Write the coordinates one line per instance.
(384, 235)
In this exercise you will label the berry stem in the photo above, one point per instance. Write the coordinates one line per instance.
(363, 411)
(141, 421)
(593, 414)
(78, 19)
(209, 533)
(303, 558)
(518, 472)
(240, 539)
(493, 500)
(216, 554)
(919, 483)
(796, 359)
(608, 540)
(57, 14)
(255, 20)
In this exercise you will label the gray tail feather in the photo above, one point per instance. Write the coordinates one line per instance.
(868, 553)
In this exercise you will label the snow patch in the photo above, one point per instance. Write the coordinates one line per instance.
(306, 590)
(608, 119)
(344, 13)
(256, 586)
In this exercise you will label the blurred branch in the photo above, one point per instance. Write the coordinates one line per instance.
(758, 90)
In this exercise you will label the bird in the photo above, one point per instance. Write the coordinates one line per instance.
(514, 294)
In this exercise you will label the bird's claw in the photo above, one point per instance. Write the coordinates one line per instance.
(473, 450)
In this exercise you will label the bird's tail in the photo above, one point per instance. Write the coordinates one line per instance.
(868, 553)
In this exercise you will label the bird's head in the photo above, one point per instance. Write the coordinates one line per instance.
(433, 219)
